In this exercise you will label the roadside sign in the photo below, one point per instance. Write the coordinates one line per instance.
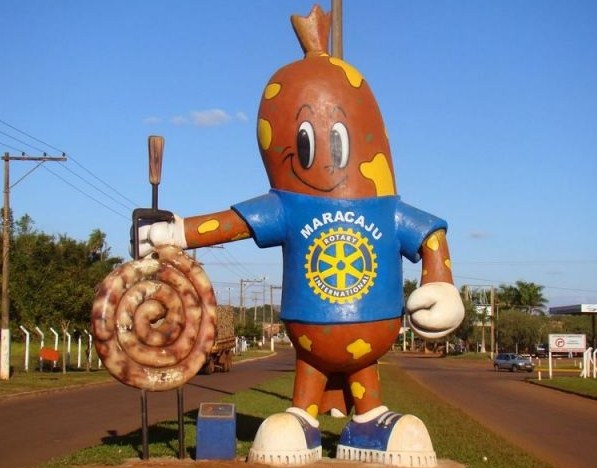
(563, 343)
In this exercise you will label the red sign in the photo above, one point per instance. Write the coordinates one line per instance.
(49, 354)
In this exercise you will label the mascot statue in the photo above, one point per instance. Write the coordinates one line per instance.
(333, 208)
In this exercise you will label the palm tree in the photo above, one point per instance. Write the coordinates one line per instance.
(97, 245)
(531, 295)
(508, 296)
(522, 295)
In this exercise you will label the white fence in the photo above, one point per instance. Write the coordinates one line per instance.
(84, 348)
(589, 363)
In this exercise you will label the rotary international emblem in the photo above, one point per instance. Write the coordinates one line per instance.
(341, 266)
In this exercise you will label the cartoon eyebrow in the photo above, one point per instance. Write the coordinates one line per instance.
(304, 106)
(338, 108)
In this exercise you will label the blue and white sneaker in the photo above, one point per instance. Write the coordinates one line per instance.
(382, 436)
(290, 438)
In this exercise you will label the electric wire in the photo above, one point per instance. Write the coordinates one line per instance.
(30, 136)
(11, 147)
(129, 205)
(86, 194)
(97, 188)
(229, 261)
(22, 142)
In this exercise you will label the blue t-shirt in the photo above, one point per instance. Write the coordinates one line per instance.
(342, 257)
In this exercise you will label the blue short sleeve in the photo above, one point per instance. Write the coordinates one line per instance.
(265, 217)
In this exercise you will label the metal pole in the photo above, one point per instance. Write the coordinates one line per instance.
(493, 322)
(271, 317)
(5, 333)
(144, 429)
(242, 310)
(337, 28)
(180, 404)
(27, 342)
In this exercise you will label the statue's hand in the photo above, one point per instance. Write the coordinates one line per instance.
(435, 310)
(161, 233)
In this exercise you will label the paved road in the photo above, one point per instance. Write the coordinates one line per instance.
(556, 427)
(34, 429)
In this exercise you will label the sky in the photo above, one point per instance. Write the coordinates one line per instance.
(490, 107)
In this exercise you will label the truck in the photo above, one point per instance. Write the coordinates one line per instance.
(220, 357)
(540, 350)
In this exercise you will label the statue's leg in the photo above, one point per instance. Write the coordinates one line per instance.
(378, 435)
(293, 437)
(309, 385)
(365, 389)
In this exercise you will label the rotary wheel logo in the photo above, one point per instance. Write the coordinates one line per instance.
(341, 266)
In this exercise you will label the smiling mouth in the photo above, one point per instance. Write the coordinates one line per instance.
(308, 184)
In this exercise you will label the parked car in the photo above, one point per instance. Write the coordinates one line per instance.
(513, 362)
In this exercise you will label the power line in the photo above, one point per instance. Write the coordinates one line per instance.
(128, 217)
(103, 182)
(129, 204)
(23, 142)
(14, 148)
(132, 205)
(30, 136)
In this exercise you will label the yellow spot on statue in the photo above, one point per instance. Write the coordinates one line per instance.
(305, 342)
(357, 390)
(208, 226)
(358, 348)
(448, 263)
(432, 242)
(313, 410)
(425, 272)
(264, 134)
(272, 90)
(352, 74)
(378, 170)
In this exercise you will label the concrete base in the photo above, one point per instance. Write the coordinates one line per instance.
(241, 463)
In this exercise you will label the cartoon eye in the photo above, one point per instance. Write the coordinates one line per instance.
(339, 145)
(305, 142)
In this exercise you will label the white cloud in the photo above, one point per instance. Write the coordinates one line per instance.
(209, 118)
(242, 117)
(203, 118)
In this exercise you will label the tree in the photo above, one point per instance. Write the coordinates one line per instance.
(507, 296)
(530, 296)
(53, 278)
(466, 329)
(97, 245)
(523, 295)
(519, 331)
(409, 287)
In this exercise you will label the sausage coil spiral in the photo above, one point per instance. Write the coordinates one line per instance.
(153, 320)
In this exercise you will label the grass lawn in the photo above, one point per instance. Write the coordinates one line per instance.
(569, 383)
(455, 436)
(34, 380)
(572, 384)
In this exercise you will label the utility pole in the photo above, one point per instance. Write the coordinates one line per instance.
(5, 328)
(477, 295)
(271, 310)
(242, 308)
(494, 343)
